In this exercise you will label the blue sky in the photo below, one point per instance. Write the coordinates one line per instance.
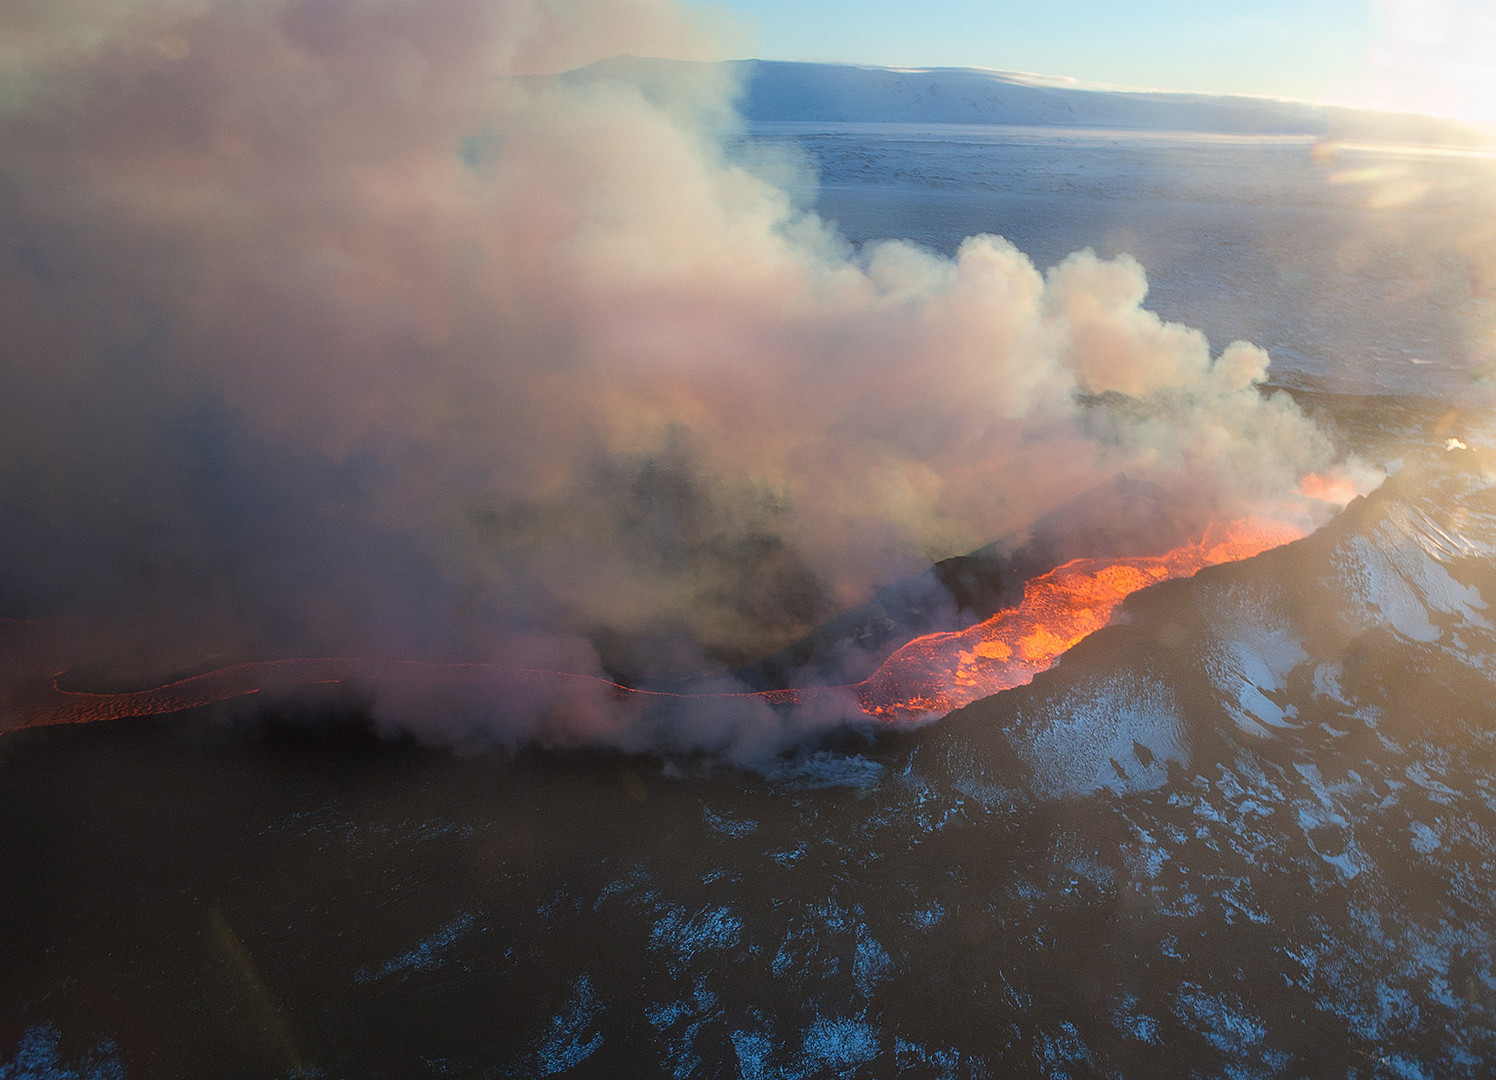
(1425, 55)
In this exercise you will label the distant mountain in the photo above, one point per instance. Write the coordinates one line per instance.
(774, 91)
(777, 91)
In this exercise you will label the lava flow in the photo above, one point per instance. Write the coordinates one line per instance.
(938, 673)
(930, 676)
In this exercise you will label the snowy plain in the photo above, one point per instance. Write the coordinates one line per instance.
(1360, 256)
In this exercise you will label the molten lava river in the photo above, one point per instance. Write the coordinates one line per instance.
(926, 678)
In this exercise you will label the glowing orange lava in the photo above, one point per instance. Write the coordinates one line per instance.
(929, 676)
(938, 673)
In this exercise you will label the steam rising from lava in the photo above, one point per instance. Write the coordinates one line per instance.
(344, 327)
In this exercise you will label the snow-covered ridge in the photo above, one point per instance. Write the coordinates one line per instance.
(775, 91)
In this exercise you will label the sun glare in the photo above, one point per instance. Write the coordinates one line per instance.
(1436, 57)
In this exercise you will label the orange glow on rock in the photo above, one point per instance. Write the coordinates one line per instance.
(1338, 490)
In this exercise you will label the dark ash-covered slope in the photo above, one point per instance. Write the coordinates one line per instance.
(1246, 833)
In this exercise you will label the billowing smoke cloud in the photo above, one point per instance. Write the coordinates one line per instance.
(344, 327)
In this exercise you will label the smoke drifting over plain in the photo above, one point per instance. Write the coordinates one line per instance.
(342, 328)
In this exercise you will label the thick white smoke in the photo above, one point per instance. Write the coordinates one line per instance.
(343, 326)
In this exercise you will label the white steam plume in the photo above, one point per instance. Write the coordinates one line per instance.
(340, 325)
